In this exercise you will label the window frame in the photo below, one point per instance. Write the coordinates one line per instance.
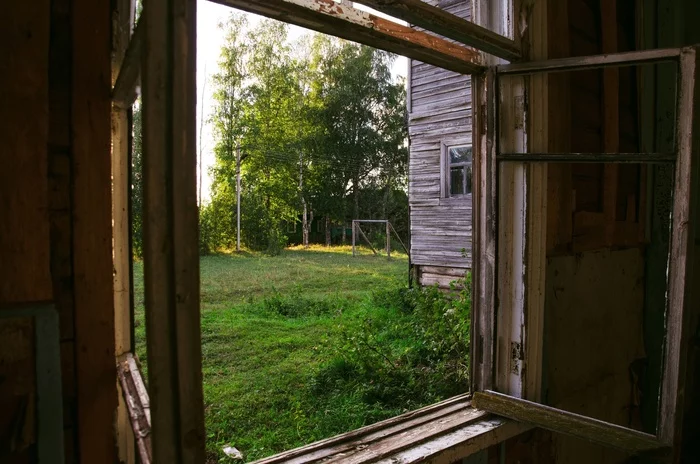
(446, 165)
(506, 396)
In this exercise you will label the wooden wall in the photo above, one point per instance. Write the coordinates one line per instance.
(439, 112)
(55, 207)
(595, 344)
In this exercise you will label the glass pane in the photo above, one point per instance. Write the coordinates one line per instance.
(461, 154)
(457, 180)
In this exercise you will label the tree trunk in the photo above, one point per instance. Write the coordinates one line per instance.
(328, 231)
(304, 225)
(356, 195)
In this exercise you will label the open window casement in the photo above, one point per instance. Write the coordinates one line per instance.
(507, 340)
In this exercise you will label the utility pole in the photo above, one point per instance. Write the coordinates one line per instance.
(238, 196)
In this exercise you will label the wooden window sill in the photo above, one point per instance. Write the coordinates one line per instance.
(441, 433)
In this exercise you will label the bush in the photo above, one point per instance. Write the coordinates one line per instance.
(410, 349)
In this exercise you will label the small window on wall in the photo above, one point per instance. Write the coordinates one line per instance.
(291, 227)
(457, 170)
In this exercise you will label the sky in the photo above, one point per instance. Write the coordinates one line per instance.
(209, 41)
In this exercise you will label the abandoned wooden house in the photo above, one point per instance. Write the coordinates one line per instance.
(586, 247)
(440, 166)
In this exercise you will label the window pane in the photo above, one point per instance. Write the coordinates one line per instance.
(457, 180)
(461, 154)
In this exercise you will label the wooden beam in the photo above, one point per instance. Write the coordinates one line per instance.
(129, 73)
(137, 401)
(582, 63)
(344, 21)
(674, 390)
(92, 231)
(567, 423)
(171, 257)
(439, 21)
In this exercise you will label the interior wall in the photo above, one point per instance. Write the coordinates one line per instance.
(594, 351)
(55, 221)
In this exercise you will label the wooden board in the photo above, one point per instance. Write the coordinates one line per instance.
(24, 86)
(568, 423)
(92, 231)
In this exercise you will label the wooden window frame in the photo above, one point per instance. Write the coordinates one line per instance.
(501, 153)
(161, 57)
(445, 166)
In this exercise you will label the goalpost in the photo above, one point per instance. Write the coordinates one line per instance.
(356, 229)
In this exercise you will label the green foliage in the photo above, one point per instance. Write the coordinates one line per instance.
(259, 365)
(318, 123)
(411, 350)
(137, 182)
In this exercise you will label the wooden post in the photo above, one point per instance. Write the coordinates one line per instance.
(353, 236)
(171, 255)
(388, 240)
(238, 196)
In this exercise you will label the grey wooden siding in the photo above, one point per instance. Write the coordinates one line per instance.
(439, 113)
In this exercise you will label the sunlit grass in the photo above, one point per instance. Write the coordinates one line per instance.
(258, 366)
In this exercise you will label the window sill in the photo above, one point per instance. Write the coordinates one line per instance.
(441, 433)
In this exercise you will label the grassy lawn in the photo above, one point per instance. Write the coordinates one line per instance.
(271, 327)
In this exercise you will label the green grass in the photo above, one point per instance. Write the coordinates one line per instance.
(269, 325)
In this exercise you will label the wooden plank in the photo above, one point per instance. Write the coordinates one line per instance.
(138, 404)
(342, 20)
(565, 422)
(589, 157)
(24, 92)
(462, 443)
(171, 259)
(441, 22)
(126, 82)
(484, 245)
(123, 17)
(410, 438)
(92, 231)
(386, 426)
(592, 62)
(685, 203)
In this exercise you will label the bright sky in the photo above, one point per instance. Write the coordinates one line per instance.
(209, 41)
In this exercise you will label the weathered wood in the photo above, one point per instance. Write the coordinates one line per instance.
(137, 401)
(368, 433)
(567, 423)
(439, 21)
(589, 157)
(24, 92)
(342, 20)
(92, 231)
(171, 258)
(129, 72)
(685, 204)
(592, 62)
(450, 429)
(123, 17)
(484, 245)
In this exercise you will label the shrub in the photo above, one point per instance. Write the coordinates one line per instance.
(409, 349)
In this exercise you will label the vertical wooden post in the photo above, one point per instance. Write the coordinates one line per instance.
(171, 257)
(353, 237)
(238, 196)
(121, 252)
(388, 240)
